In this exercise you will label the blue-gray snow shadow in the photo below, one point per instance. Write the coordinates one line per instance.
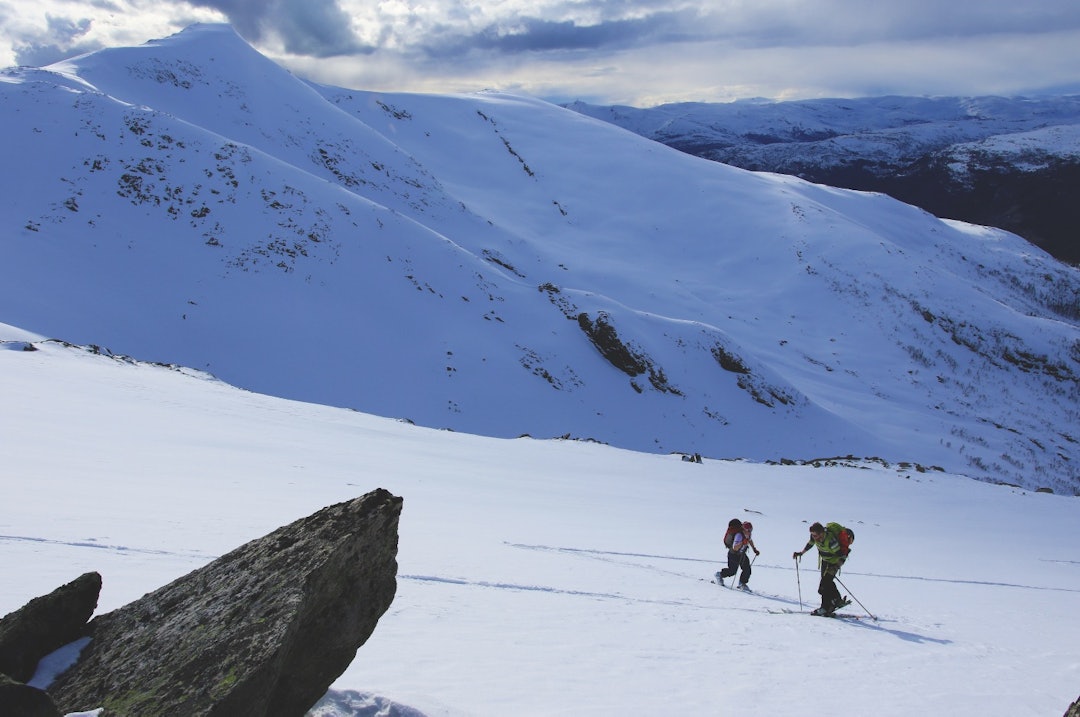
(349, 703)
(906, 636)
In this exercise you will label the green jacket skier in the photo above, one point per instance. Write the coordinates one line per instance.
(833, 548)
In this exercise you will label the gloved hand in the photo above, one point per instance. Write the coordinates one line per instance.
(757, 552)
(796, 555)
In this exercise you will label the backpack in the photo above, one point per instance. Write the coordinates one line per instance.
(732, 531)
(845, 536)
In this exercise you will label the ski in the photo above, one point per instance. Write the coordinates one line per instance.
(739, 588)
(841, 615)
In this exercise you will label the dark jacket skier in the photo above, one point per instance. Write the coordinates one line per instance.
(737, 539)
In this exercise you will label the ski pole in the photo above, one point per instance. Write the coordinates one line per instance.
(837, 578)
(799, 581)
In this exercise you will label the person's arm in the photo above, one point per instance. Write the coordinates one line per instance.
(800, 553)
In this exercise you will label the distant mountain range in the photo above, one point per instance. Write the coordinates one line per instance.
(498, 265)
(1012, 163)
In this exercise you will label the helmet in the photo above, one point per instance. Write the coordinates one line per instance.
(748, 525)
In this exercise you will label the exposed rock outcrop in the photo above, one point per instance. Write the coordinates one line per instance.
(45, 624)
(1074, 709)
(263, 630)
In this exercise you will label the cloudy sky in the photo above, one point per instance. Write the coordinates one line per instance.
(636, 52)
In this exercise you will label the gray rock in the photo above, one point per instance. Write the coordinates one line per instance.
(46, 624)
(263, 630)
(24, 701)
(1074, 709)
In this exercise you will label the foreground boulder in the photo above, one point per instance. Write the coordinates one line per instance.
(1074, 709)
(263, 630)
(24, 701)
(46, 624)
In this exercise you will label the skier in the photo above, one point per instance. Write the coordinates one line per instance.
(737, 539)
(833, 550)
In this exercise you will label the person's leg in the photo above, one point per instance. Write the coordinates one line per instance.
(830, 594)
(732, 565)
(745, 564)
(825, 587)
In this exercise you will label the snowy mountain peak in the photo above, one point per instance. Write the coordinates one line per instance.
(498, 265)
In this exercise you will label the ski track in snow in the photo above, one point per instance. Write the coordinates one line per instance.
(875, 623)
(515, 586)
(603, 555)
(121, 549)
(868, 621)
(356, 704)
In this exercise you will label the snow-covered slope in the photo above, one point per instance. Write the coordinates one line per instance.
(542, 578)
(502, 266)
(1006, 162)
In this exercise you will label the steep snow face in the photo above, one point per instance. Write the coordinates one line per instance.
(498, 265)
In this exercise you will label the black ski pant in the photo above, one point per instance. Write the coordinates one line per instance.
(735, 560)
(830, 594)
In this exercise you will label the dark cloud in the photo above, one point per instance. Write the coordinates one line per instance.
(246, 16)
(106, 5)
(611, 51)
(321, 29)
(59, 42)
(316, 28)
(530, 34)
(854, 22)
(932, 18)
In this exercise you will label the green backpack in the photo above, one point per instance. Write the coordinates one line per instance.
(845, 536)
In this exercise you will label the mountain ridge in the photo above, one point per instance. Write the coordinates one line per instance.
(1006, 162)
(499, 265)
